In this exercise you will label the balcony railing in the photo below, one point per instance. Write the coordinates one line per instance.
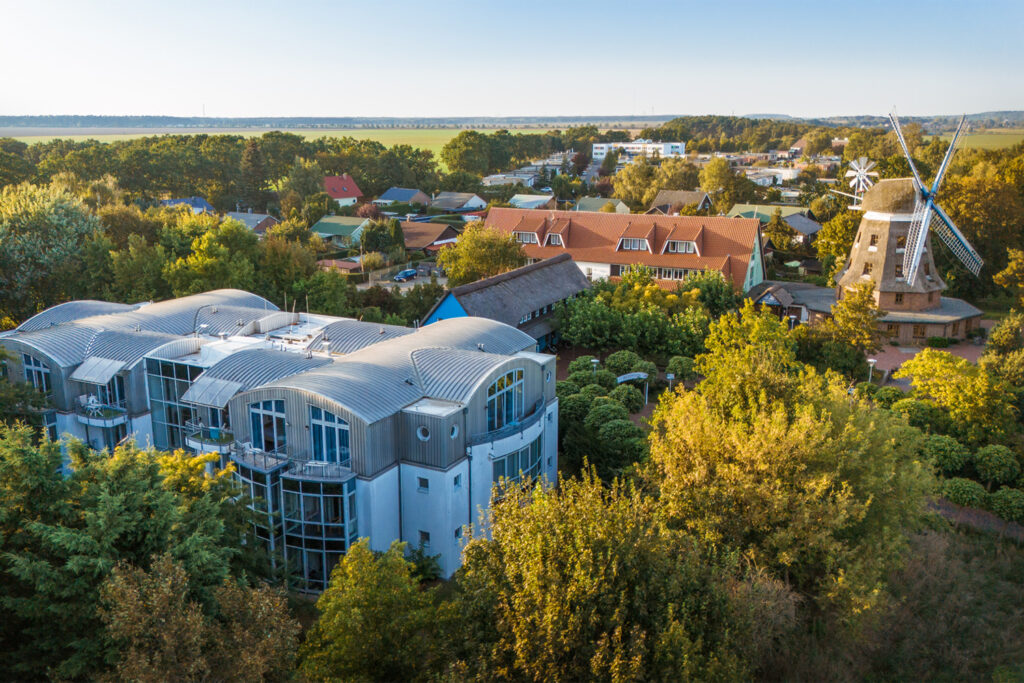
(89, 407)
(511, 428)
(212, 435)
(317, 469)
(265, 461)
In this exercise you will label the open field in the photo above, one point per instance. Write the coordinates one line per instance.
(424, 138)
(991, 139)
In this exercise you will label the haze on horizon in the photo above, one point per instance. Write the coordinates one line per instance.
(401, 58)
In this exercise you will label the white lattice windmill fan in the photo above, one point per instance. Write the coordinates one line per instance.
(861, 175)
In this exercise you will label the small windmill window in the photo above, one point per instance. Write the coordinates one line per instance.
(867, 269)
(927, 269)
(899, 270)
(897, 298)
(901, 241)
(874, 240)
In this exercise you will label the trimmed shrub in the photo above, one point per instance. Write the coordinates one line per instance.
(938, 342)
(925, 416)
(574, 409)
(621, 362)
(886, 396)
(592, 391)
(682, 368)
(629, 396)
(947, 454)
(964, 492)
(605, 378)
(866, 389)
(580, 364)
(996, 465)
(1008, 503)
(563, 390)
(581, 378)
(604, 413)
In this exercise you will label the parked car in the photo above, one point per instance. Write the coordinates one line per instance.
(404, 275)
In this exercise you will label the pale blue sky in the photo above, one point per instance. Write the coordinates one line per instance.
(509, 57)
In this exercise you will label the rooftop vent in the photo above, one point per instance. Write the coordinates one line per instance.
(381, 331)
(480, 346)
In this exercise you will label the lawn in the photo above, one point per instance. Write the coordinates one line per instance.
(991, 139)
(424, 138)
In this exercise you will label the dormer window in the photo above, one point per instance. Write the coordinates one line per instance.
(555, 240)
(526, 237)
(679, 247)
(633, 244)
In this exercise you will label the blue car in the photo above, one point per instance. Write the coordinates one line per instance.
(405, 275)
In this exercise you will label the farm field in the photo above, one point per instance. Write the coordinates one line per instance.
(991, 139)
(424, 138)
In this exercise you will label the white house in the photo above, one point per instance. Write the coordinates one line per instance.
(640, 148)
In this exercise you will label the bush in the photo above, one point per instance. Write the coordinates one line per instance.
(580, 364)
(947, 454)
(964, 492)
(425, 567)
(592, 391)
(1008, 504)
(887, 396)
(682, 368)
(605, 378)
(604, 413)
(581, 378)
(866, 389)
(564, 390)
(629, 396)
(996, 465)
(622, 362)
(938, 342)
(574, 409)
(921, 414)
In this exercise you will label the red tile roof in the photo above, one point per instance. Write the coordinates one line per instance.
(342, 187)
(724, 243)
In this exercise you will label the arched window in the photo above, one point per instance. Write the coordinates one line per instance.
(514, 467)
(330, 436)
(505, 400)
(268, 425)
(37, 374)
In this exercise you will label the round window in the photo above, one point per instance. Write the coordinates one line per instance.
(547, 376)
(455, 431)
(422, 433)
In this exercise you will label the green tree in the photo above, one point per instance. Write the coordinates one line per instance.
(42, 231)
(835, 239)
(254, 175)
(609, 164)
(478, 253)
(375, 622)
(719, 181)
(137, 273)
(469, 151)
(979, 404)
(305, 178)
(714, 292)
(855, 319)
(561, 590)
(674, 174)
(634, 182)
(779, 232)
(162, 633)
(224, 257)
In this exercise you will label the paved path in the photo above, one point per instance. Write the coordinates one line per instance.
(891, 357)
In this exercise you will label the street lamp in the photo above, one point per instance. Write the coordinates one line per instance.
(792, 321)
(593, 364)
(871, 368)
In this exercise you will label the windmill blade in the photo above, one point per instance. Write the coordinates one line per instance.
(852, 174)
(949, 156)
(918, 185)
(917, 236)
(955, 240)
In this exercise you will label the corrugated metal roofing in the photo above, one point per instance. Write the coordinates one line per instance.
(346, 336)
(451, 374)
(245, 370)
(210, 391)
(125, 345)
(72, 310)
(97, 370)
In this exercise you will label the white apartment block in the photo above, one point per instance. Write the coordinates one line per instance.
(640, 148)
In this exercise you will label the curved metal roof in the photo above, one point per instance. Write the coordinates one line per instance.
(127, 346)
(346, 336)
(245, 370)
(72, 310)
(452, 374)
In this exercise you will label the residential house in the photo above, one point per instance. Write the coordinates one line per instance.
(598, 203)
(533, 201)
(338, 429)
(341, 231)
(428, 237)
(342, 189)
(259, 223)
(197, 204)
(603, 245)
(402, 195)
(806, 228)
(457, 201)
(668, 201)
(524, 178)
(764, 212)
(524, 298)
(346, 265)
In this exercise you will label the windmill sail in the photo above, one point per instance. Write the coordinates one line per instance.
(954, 239)
(917, 236)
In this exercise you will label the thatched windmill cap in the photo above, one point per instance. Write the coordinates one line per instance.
(896, 195)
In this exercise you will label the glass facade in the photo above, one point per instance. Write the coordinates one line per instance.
(319, 527)
(167, 382)
(37, 374)
(514, 467)
(265, 490)
(329, 436)
(505, 400)
(267, 420)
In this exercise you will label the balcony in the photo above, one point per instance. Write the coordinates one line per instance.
(262, 461)
(208, 439)
(317, 470)
(90, 411)
(512, 428)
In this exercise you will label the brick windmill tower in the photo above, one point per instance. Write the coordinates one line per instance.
(893, 251)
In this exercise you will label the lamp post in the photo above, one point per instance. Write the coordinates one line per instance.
(871, 368)
(792, 321)
(593, 364)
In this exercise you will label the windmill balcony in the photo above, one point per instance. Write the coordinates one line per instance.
(90, 411)
(208, 439)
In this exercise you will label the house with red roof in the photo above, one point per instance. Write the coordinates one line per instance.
(342, 189)
(604, 245)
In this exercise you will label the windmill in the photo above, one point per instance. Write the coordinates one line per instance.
(929, 216)
(861, 179)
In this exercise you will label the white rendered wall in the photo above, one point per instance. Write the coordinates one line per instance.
(439, 509)
(597, 270)
(377, 504)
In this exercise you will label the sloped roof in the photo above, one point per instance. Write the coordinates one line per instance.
(422, 235)
(400, 194)
(253, 220)
(727, 243)
(509, 296)
(452, 201)
(72, 310)
(342, 187)
(596, 203)
(669, 198)
(197, 204)
(530, 201)
(764, 212)
(803, 224)
(338, 226)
